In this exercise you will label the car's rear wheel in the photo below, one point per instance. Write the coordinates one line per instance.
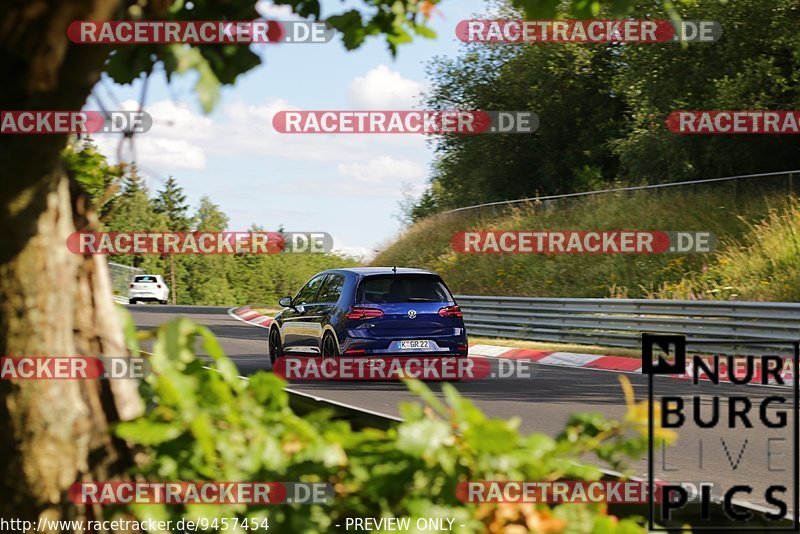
(275, 346)
(162, 302)
(330, 348)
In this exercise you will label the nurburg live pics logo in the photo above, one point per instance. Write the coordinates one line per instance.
(723, 399)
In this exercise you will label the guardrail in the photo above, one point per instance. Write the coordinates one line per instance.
(620, 322)
(121, 276)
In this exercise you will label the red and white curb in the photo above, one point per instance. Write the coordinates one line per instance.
(619, 364)
(604, 363)
(564, 359)
(250, 316)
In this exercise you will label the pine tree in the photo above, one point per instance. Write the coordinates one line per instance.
(209, 217)
(171, 202)
(133, 211)
(132, 182)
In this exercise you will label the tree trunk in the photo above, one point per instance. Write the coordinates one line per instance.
(173, 287)
(52, 302)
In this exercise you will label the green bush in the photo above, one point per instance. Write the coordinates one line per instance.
(202, 425)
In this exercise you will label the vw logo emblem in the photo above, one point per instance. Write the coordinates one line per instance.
(412, 314)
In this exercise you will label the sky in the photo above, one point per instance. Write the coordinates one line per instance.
(346, 185)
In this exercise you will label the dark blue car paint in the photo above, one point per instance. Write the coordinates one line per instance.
(302, 330)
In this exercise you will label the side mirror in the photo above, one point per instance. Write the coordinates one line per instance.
(286, 302)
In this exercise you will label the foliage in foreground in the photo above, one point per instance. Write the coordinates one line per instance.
(204, 425)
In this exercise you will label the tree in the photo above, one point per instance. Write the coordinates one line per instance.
(208, 281)
(209, 218)
(568, 86)
(89, 168)
(754, 65)
(602, 108)
(133, 211)
(48, 445)
(171, 203)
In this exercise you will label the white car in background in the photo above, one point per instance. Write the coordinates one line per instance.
(148, 288)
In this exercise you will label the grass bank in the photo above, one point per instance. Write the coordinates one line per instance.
(757, 229)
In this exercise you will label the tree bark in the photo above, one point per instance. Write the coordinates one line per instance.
(52, 302)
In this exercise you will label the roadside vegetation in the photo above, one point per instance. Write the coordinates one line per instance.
(758, 234)
(602, 109)
(764, 265)
(602, 112)
(124, 203)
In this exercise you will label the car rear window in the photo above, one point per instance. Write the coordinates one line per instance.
(402, 288)
(145, 279)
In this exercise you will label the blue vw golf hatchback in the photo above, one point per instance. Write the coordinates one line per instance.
(370, 311)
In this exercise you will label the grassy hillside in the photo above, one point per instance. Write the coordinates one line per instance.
(741, 221)
(764, 265)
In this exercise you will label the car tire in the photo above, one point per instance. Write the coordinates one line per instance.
(329, 349)
(274, 345)
(132, 301)
(162, 302)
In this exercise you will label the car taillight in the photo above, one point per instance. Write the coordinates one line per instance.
(450, 311)
(364, 313)
(158, 286)
(131, 285)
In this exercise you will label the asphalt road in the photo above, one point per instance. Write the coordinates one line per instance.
(543, 403)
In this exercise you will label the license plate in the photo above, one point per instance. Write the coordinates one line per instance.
(415, 344)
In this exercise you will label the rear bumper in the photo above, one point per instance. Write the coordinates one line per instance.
(146, 295)
(365, 344)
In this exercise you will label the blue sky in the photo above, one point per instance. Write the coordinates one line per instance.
(346, 185)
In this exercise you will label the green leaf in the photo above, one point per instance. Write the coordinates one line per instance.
(207, 86)
(538, 9)
(222, 363)
(146, 432)
(129, 331)
(493, 437)
(419, 387)
(423, 437)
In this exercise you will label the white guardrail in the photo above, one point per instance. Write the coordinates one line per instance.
(620, 322)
